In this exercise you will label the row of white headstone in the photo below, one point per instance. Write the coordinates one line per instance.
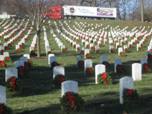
(13, 29)
(46, 42)
(149, 48)
(33, 44)
(57, 38)
(16, 37)
(75, 37)
(23, 40)
(11, 37)
(7, 30)
(67, 86)
(72, 42)
(100, 68)
(12, 72)
(10, 24)
(72, 86)
(115, 36)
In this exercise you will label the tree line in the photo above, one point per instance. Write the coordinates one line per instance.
(126, 9)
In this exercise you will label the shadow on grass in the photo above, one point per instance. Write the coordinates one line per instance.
(64, 54)
(52, 109)
(37, 81)
(2, 77)
(108, 105)
(111, 106)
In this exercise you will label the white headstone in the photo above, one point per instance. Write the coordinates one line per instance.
(86, 51)
(2, 58)
(125, 83)
(10, 72)
(69, 86)
(6, 54)
(2, 95)
(120, 51)
(51, 58)
(58, 70)
(99, 69)
(117, 62)
(87, 64)
(137, 71)
(27, 56)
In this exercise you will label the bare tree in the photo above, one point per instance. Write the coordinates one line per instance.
(110, 2)
(142, 10)
(89, 2)
(142, 14)
(36, 10)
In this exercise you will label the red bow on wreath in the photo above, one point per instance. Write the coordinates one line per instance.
(7, 59)
(130, 92)
(104, 77)
(71, 99)
(2, 64)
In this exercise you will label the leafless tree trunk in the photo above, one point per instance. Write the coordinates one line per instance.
(142, 10)
(36, 10)
(89, 2)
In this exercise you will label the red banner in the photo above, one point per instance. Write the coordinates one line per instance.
(55, 12)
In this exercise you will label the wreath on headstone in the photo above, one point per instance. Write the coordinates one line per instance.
(12, 83)
(104, 78)
(3, 64)
(7, 59)
(130, 94)
(71, 102)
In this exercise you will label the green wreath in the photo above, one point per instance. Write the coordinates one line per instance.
(104, 78)
(71, 102)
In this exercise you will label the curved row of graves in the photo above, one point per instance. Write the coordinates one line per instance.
(127, 91)
(116, 39)
(14, 34)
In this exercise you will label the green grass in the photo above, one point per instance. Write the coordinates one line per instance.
(37, 95)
